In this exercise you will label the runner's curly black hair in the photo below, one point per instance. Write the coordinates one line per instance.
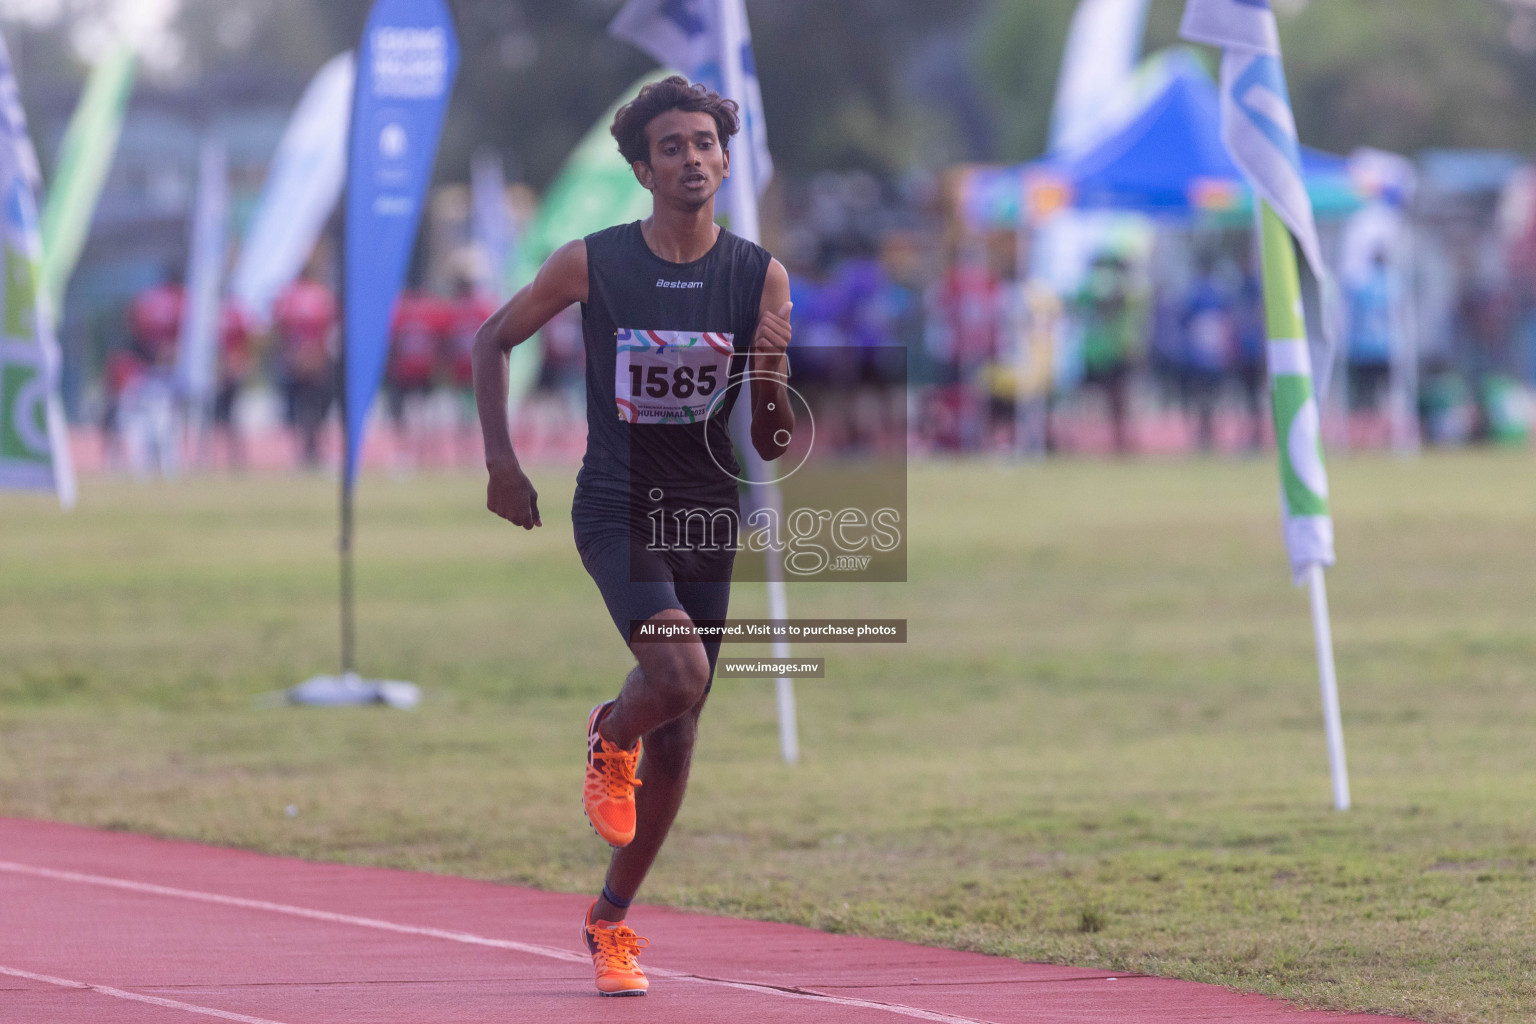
(674, 93)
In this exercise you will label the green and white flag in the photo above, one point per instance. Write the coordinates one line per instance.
(1303, 479)
(1260, 135)
(34, 444)
(85, 157)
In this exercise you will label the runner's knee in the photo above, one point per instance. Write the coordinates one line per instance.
(689, 679)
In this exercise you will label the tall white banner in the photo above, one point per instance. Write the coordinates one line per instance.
(198, 351)
(491, 226)
(1103, 46)
(302, 189)
(710, 42)
(34, 442)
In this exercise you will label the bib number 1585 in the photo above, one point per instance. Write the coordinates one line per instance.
(670, 376)
(681, 382)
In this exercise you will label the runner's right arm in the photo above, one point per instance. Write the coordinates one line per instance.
(561, 281)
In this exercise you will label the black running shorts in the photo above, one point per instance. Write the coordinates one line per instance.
(637, 583)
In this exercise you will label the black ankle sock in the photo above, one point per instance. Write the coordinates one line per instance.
(614, 900)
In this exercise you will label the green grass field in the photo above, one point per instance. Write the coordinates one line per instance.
(1102, 744)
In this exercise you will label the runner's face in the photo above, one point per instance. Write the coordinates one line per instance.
(687, 162)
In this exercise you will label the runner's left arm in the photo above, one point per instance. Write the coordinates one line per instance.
(773, 421)
(561, 281)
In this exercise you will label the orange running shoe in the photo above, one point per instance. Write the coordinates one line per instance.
(615, 950)
(608, 798)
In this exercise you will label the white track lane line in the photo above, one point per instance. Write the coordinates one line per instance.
(467, 938)
(117, 993)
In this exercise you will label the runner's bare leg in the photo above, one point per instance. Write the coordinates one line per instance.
(660, 704)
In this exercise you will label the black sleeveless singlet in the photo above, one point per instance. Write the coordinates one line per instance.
(663, 340)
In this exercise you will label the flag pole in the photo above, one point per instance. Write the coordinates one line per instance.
(778, 610)
(766, 495)
(405, 68)
(743, 209)
(348, 629)
(723, 59)
(1287, 348)
(348, 486)
(1333, 725)
(344, 541)
(1405, 352)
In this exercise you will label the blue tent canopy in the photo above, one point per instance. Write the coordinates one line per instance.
(1150, 163)
(1166, 160)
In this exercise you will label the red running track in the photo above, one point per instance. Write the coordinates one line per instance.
(107, 927)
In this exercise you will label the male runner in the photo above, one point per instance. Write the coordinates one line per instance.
(675, 313)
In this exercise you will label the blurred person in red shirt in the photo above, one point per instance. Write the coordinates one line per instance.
(154, 322)
(304, 325)
(417, 330)
(237, 361)
(466, 311)
(968, 301)
(147, 413)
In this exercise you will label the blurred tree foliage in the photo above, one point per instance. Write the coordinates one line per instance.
(1403, 75)
(535, 74)
(879, 84)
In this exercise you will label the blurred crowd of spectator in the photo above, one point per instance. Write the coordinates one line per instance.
(428, 385)
(910, 331)
(1160, 342)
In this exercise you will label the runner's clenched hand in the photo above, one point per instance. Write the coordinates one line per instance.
(771, 340)
(511, 495)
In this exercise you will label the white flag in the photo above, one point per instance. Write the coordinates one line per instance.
(491, 228)
(1232, 25)
(1099, 59)
(1260, 132)
(1256, 121)
(198, 351)
(710, 42)
(302, 189)
(34, 442)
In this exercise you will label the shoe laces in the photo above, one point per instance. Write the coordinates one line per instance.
(617, 769)
(619, 946)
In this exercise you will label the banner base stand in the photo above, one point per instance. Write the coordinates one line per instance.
(351, 690)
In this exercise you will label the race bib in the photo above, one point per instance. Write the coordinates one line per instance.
(670, 376)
